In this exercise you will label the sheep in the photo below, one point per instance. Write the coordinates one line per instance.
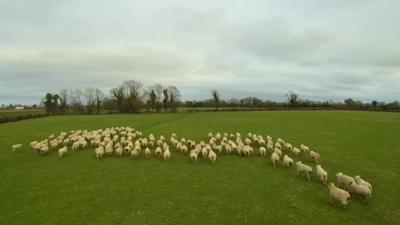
(228, 149)
(204, 152)
(62, 151)
(109, 148)
(166, 155)
(343, 180)
(193, 156)
(278, 151)
(184, 148)
(358, 180)
(147, 152)
(288, 147)
(296, 151)
(270, 146)
(99, 152)
(315, 156)
(339, 195)
(32, 144)
(135, 152)
(212, 156)
(44, 149)
(119, 150)
(304, 148)
(75, 145)
(263, 151)
(16, 147)
(247, 141)
(287, 161)
(321, 174)
(303, 169)
(361, 190)
(275, 159)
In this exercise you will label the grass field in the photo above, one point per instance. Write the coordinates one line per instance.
(79, 189)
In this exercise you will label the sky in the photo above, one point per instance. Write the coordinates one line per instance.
(322, 50)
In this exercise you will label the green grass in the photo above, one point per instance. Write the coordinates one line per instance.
(79, 189)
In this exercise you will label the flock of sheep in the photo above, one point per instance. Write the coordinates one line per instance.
(121, 141)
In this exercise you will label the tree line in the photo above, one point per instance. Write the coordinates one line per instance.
(129, 97)
(132, 97)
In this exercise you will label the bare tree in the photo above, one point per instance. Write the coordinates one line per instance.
(293, 98)
(90, 93)
(134, 95)
(99, 96)
(75, 98)
(63, 100)
(174, 97)
(215, 96)
(118, 96)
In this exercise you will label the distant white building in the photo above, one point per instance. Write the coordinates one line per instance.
(19, 107)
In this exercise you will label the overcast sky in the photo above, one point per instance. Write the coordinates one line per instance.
(320, 49)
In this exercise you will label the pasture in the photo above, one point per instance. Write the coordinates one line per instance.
(79, 189)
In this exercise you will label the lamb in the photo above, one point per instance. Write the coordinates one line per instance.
(315, 156)
(62, 151)
(361, 190)
(303, 169)
(99, 152)
(167, 155)
(287, 161)
(147, 152)
(275, 159)
(321, 174)
(193, 156)
(184, 148)
(212, 156)
(263, 151)
(358, 180)
(16, 147)
(339, 195)
(343, 180)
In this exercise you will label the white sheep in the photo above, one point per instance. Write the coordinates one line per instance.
(274, 159)
(99, 152)
(358, 180)
(212, 156)
(147, 152)
(193, 156)
(339, 195)
(135, 152)
(296, 151)
(304, 148)
(62, 151)
(119, 150)
(16, 147)
(321, 174)
(109, 148)
(361, 190)
(303, 169)
(263, 151)
(204, 152)
(343, 180)
(166, 155)
(287, 161)
(315, 156)
(288, 147)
